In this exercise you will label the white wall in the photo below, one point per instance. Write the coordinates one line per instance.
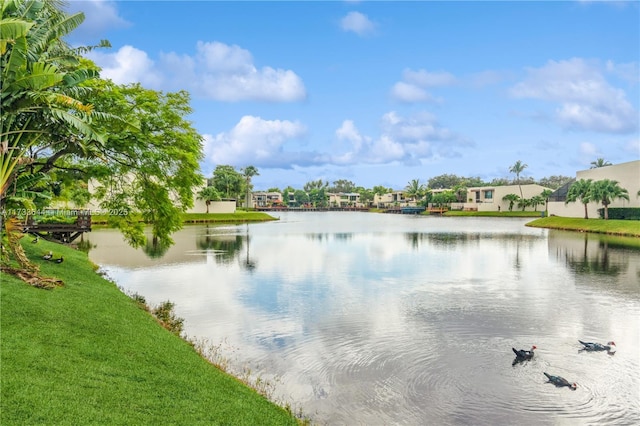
(628, 177)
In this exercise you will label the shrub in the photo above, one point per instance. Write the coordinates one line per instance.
(164, 313)
(622, 213)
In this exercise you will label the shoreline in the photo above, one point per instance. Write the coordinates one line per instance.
(613, 227)
(108, 358)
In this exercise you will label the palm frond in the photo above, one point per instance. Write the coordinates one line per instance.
(77, 123)
(41, 76)
(79, 76)
(12, 29)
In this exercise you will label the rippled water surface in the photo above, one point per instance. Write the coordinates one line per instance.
(362, 318)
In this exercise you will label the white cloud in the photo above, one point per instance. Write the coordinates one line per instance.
(100, 15)
(588, 149)
(217, 71)
(260, 143)
(587, 101)
(127, 65)
(402, 139)
(357, 23)
(628, 72)
(424, 78)
(405, 92)
(413, 86)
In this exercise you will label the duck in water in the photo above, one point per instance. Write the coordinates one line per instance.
(597, 347)
(561, 381)
(523, 354)
(48, 256)
(59, 260)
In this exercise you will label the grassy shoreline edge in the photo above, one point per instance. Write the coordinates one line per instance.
(625, 228)
(86, 353)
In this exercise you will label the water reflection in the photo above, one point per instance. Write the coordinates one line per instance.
(371, 319)
(588, 256)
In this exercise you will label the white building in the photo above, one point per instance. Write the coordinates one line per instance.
(490, 198)
(626, 174)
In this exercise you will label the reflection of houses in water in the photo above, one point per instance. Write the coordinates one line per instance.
(592, 254)
(191, 245)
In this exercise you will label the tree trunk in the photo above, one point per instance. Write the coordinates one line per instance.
(586, 214)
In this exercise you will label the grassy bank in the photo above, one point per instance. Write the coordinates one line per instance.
(630, 228)
(237, 217)
(494, 214)
(85, 353)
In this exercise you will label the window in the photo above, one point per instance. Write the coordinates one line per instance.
(488, 194)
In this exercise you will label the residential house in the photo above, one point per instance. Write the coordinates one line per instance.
(626, 174)
(390, 199)
(344, 199)
(490, 198)
(266, 199)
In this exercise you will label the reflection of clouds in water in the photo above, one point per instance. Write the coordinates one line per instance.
(408, 323)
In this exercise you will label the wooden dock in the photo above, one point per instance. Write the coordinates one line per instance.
(62, 232)
(437, 210)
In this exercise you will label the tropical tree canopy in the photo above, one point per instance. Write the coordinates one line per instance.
(209, 194)
(580, 190)
(150, 168)
(63, 127)
(518, 168)
(249, 172)
(44, 113)
(512, 199)
(342, 185)
(415, 189)
(228, 181)
(606, 191)
(600, 162)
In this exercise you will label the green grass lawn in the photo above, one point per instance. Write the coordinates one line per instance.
(629, 228)
(494, 214)
(85, 353)
(237, 217)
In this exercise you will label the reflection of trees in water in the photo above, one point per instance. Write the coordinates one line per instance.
(227, 247)
(248, 264)
(596, 261)
(452, 239)
(86, 246)
(317, 237)
(343, 236)
(155, 249)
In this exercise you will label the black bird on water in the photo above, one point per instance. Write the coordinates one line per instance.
(35, 240)
(522, 354)
(59, 260)
(596, 347)
(48, 256)
(561, 381)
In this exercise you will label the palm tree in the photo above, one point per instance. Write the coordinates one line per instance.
(414, 189)
(40, 97)
(580, 190)
(209, 194)
(605, 191)
(249, 172)
(518, 168)
(545, 195)
(524, 203)
(535, 200)
(512, 199)
(600, 162)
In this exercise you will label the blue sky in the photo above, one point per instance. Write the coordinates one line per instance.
(381, 93)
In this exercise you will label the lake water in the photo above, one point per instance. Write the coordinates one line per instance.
(377, 319)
